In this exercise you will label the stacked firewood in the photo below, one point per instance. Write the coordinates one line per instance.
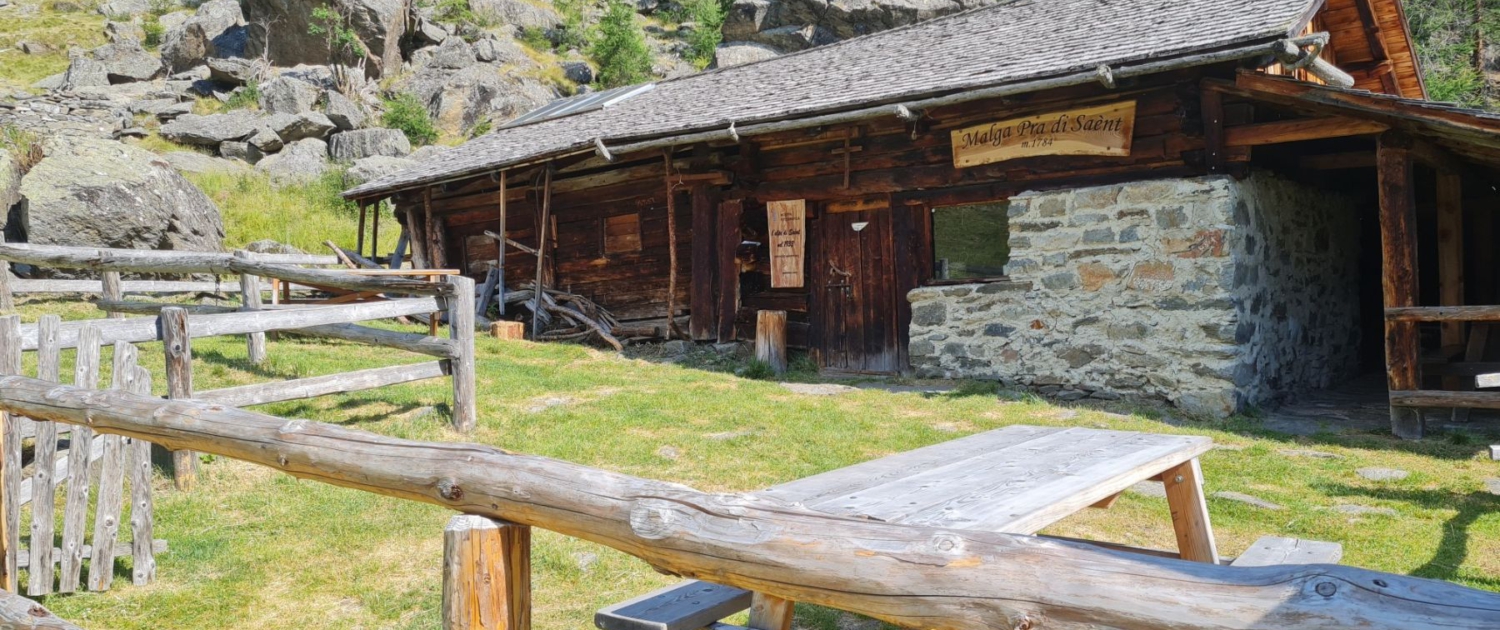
(565, 316)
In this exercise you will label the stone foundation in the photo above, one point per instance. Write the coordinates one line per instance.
(1212, 293)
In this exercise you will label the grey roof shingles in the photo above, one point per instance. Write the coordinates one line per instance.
(995, 45)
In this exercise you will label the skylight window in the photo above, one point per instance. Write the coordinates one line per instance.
(579, 104)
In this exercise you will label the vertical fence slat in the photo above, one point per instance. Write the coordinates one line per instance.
(111, 483)
(177, 343)
(138, 451)
(7, 301)
(43, 489)
(10, 459)
(461, 329)
(80, 445)
(111, 290)
(250, 301)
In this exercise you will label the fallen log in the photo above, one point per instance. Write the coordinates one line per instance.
(911, 576)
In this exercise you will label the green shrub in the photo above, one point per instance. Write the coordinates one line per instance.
(408, 114)
(535, 38)
(482, 128)
(707, 17)
(574, 31)
(154, 32)
(23, 146)
(620, 50)
(337, 31)
(247, 98)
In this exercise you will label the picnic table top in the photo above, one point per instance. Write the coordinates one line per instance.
(1018, 479)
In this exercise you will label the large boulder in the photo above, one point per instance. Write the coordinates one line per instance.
(519, 13)
(84, 71)
(741, 53)
(286, 95)
(453, 54)
(210, 130)
(294, 127)
(200, 163)
(101, 193)
(355, 145)
(298, 162)
(373, 167)
(460, 99)
(234, 71)
(10, 184)
(216, 30)
(343, 112)
(126, 61)
(379, 25)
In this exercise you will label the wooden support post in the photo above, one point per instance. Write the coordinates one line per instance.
(10, 461)
(461, 330)
(770, 339)
(1195, 535)
(729, 270)
(768, 612)
(7, 301)
(673, 331)
(111, 291)
(486, 574)
(1398, 240)
(250, 301)
(1213, 130)
(539, 288)
(178, 344)
(1450, 251)
(43, 486)
(359, 240)
(704, 278)
(76, 505)
(375, 232)
(500, 248)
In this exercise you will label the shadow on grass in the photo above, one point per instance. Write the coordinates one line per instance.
(1453, 549)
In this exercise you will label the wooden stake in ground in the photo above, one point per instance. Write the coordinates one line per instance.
(76, 505)
(770, 339)
(255, 343)
(10, 462)
(178, 344)
(43, 488)
(111, 290)
(486, 575)
(111, 480)
(461, 365)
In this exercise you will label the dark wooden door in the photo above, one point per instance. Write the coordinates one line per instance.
(854, 293)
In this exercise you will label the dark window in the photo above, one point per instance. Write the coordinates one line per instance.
(622, 234)
(970, 241)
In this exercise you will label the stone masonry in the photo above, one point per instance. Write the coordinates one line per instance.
(1213, 293)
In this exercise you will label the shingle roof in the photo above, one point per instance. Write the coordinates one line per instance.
(995, 45)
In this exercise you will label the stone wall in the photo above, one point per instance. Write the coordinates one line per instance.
(1211, 293)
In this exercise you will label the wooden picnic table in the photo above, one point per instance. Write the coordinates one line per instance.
(1016, 480)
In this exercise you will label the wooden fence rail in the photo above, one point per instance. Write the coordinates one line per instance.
(912, 576)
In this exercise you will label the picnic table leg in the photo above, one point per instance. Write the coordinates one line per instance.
(1195, 536)
(486, 574)
(768, 612)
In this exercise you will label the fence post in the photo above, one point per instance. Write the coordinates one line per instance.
(80, 447)
(461, 330)
(486, 574)
(7, 302)
(250, 301)
(44, 457)
(173, 325)
(10, 459)
(112, 291)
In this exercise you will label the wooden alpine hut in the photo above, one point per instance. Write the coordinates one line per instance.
(1215, 202)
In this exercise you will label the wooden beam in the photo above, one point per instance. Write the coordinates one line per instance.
(1443, 314)
(1213, 130)
(1398, 240)
(730, 213)
(1337, 161)
(705, 261)
(1279, 132)
(1371, 26)
(1195, 535)
(312, 387)
(1439, 398)
(1450, 250)
(905, 575)
(539, 287)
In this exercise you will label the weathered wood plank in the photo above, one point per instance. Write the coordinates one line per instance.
(177, 342)
(768, 612)
(139, 330)
(311, 387)
(255, 343)
(1276, 550)
(486, 574)
(44, 497)
(142, 507)
(55, 286)
(770, 340)
(912, 576)
(111, 481)
(1438, 398)
(121, 548)
(1398, 241)
(461, 365)
(1297, 130)
(82, 440)
(687, 605)
(10, 460)
(1484, 313)
(730, 214)
(705, 261)
(1195, 535)
(111, 290)
(19, 613)
(411, 342)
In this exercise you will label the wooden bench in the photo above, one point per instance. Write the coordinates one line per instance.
(690, 605)
(1274, 550)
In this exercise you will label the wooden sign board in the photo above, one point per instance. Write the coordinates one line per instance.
(1101, 130)
(788, 226)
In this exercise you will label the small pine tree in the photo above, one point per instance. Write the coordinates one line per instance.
(620, 49)
(406, 113)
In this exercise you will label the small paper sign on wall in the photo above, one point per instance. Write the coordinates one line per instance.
(788, 224)
(1101, 130)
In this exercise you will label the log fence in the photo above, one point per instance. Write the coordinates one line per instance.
(914, 576)
(68, 471)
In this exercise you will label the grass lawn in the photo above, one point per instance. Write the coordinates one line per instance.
(252, 548)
